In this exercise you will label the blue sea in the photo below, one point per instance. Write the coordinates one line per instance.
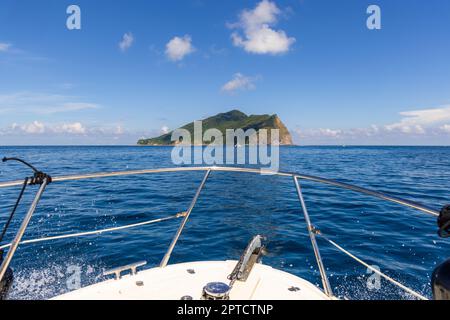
(232, 208)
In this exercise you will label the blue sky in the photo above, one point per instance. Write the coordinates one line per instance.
(140, 68)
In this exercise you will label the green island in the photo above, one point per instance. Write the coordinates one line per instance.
(234, 119)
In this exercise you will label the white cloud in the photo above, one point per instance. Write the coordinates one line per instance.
(41, 103)
(417, 121)
(239, 82)
(165, 129)
(119, 130)
(330, 132)
(69, 133)
(178, 48)
(70, 106)
(127, 41)
(73, 128)
(445, 128)
(320, 133)
(35, 127)
(258, 35)
(40, 128)
(352, 134)
(427, 126)
(4, 47)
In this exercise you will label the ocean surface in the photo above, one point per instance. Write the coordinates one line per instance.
(232, 208)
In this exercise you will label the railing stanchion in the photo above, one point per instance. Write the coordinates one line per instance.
(312, 236)
(166, 258)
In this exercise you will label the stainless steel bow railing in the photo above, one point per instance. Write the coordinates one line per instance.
(312, 231)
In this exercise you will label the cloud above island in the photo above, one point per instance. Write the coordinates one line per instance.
(255, 30)
(165, 130)
(179, 47)
(126, 42)
(239, 82)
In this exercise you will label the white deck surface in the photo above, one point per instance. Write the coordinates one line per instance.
(174, 282)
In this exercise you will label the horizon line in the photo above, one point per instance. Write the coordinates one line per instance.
(168, 146)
